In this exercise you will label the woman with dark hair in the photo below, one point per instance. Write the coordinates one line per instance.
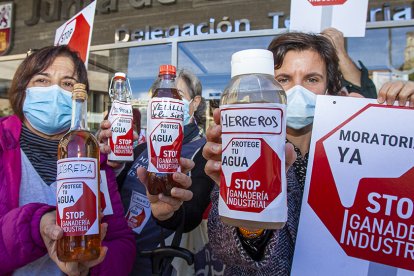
(306, 65)
(40, 96)
(302, 42)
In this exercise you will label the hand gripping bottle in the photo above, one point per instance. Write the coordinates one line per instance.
(78, 178)
(120, 116)
(165, 132)
(253, 119)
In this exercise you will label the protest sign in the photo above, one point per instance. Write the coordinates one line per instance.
(77, 32)
(357, 211)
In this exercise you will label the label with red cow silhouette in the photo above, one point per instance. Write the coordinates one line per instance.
(77, 196)
(253, 180)
(139, 212)
(165, 130)
(121, 142)
(357, 214)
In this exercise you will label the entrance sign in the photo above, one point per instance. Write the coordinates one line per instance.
(77, 32)
(357, 215)
(348, 16)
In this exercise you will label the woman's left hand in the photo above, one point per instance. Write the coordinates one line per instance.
(162, 206)
(104, 135)
(51, 233)
(401, 91)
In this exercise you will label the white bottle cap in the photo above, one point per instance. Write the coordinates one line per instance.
(120, 75)
(253, 61)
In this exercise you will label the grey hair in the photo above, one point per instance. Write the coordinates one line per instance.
(195, 89)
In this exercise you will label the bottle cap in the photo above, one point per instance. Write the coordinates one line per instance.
(167, 69)
(253, 61)
(120, 75)
(79, 92)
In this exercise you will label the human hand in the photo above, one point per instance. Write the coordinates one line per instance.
(51, 233)
(104, 134)
(162, 206)
(401, 91)
(212, 150)
(337, 39)
(103, 137)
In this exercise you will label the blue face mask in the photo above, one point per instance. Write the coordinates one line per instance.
(186, 110)
(300, 107)
(48, 109)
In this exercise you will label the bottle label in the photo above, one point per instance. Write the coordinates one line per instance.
(121, 142)
(165, 130)
(77, 196)
(253, 179)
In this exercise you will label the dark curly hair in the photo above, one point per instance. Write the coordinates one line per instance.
(297, 41)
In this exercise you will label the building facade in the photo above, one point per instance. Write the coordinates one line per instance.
(136, 36)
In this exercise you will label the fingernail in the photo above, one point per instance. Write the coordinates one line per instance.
(380, 99)
(217, 164)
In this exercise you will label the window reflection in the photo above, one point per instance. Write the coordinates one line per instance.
(372, 49)
(210, 62)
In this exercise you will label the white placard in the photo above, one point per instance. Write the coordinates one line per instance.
(357, 211)
(348, 16)
(77, 32)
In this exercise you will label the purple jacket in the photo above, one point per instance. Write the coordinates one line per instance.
(20, 239)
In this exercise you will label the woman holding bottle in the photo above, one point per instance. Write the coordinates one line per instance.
(185, 207)
(305, 65)
(40, 96)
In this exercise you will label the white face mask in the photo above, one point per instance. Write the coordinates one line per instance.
(48, 109)
(300, 107)
(187, 115)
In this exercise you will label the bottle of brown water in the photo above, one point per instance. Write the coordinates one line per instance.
(253, 120)
(78, 178)
(165, 132)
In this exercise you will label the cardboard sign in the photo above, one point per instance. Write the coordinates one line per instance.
(357, 215)
(348, 16)
(77, 32)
